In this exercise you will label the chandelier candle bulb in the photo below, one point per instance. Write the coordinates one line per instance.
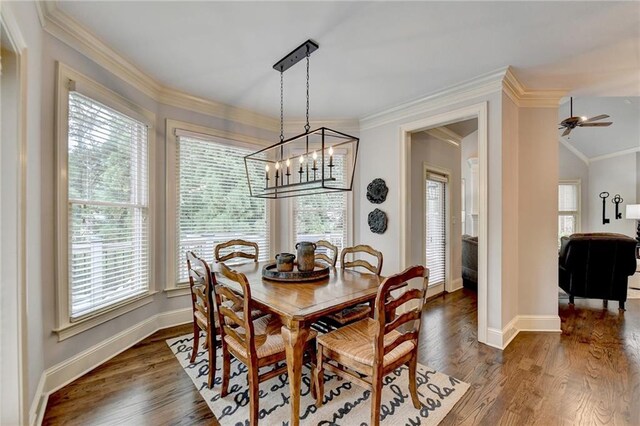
(266, 175)
(300, 171)
(277, 172)
(330, 162)
(288, 173)
(315, 167)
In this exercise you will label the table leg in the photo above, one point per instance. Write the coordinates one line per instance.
(295, 336)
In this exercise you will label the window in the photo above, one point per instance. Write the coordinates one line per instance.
(436, 227)
(568, 208)
(323, 216)
(212, 199)
(104, 223)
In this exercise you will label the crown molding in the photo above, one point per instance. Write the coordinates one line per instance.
(446, 135)
(480, 86)
(574, 150)
(615, 154)
(66, 29)
(529, 98)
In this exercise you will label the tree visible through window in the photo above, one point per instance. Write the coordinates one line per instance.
(108, 206)
(213, 202)
(323, 216)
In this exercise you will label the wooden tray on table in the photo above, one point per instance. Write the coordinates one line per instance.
(270, 272)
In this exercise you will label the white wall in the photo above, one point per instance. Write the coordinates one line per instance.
(27, 20)
(440, 154)
(616, 175)
(469, 149)
(380, 157)
(538, 212)
(573, 168)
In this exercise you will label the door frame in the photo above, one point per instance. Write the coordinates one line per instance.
(478, 111)
(426, 167)
(18, 47)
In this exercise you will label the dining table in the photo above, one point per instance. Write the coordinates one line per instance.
(299, 305)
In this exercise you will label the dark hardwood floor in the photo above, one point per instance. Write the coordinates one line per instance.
(589, 374)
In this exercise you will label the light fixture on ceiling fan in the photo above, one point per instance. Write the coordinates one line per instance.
(572, 122)
(314, 162)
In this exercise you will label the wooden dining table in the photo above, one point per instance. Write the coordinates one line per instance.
(299, 304)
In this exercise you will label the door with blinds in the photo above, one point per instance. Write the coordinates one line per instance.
(436, 227)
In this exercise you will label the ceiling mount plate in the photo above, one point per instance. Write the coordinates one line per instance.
(298, 54)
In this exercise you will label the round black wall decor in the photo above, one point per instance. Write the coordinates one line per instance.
(377, 221)
(377, 191)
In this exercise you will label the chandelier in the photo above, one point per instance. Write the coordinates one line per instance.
(314, 162)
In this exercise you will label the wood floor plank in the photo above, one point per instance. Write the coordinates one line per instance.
(589, 374)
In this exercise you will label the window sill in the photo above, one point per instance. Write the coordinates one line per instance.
(72, 328)
(178, 291)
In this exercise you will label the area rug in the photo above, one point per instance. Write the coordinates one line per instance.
(344, 402)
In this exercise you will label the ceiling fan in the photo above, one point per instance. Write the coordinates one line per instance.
(572, 122)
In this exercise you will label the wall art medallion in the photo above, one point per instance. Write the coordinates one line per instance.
(377, 221)
(377, 191)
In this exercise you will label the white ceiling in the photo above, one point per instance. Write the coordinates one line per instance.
(373, 55)
(622, 135)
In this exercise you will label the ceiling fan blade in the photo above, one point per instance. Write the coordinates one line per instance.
(567, 131)
(596, 118)
(602, 124)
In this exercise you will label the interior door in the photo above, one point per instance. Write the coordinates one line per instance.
(436, 227)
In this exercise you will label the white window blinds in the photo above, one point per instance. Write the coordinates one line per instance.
(108, 206)
(213, 202)
(436, 238)
(568, 209)
(323, 216)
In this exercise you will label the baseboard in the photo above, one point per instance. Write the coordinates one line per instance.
(39, 403)
(69, 370)
(500, 339)
(456, 285)
(546, 323)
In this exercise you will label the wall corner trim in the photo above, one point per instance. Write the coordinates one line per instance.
(61, 374)
(500, 339)
(530, 98)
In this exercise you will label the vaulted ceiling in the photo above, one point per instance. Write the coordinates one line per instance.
(622, 135)
(373, 55)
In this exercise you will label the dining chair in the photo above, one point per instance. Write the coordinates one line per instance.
(363, 310)
(256, 343)
(328, 253)
(366, 351)
(201, 285)
(239, 249)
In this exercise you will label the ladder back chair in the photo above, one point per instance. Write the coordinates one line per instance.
(328, 253)
(239, 249)
(201, 285)
(366, 351)
(255, 343)
(363, 310)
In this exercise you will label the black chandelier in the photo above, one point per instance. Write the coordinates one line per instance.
(314, 162)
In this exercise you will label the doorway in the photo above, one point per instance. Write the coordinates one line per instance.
(475, 215)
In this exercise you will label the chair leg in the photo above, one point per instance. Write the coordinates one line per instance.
(319, 378)
(621, 306)
(211, 350)
(605, 303)
(226, 368)
(254, 402)
(376, 399)
(571, 301)
(313, 360)
(196, 341)
(413, 386)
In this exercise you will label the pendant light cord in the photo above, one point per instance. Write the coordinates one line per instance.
(281, 105)
(306, 126)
